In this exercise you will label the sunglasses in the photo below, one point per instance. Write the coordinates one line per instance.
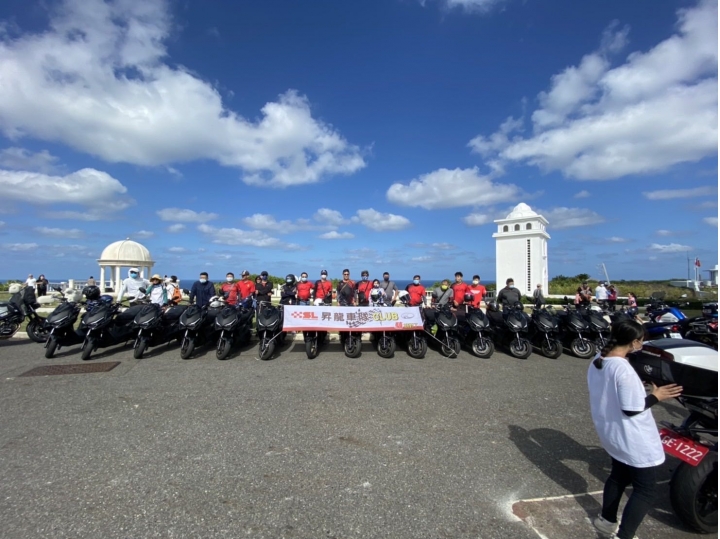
(346, 274)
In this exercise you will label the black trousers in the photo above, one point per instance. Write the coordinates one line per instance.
(643, 481)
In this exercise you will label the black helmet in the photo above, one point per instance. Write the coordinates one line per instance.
(492, 306)
(290, 279)
(92, 293)
(375, 295)
(468, 297)
(106, 298)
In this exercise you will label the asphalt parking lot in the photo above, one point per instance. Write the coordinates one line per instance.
(292, 448)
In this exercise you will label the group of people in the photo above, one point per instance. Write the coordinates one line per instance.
(604, 294)
(40, 285)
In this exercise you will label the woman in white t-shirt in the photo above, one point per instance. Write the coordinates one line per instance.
(627, 430)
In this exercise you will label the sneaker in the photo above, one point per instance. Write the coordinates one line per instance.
(605, 526)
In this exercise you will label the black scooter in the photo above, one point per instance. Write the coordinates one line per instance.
(13, 313)
(447, 335)
(508, 326)
(61, 324)
(574, 331)
(383, 341)
(474, 328)
(234, 323)
(156, 325)
(545, 331)
(413, 341)
(351, 341)
(107, 326)
(197, 325)
(269, 329)
(315, 339)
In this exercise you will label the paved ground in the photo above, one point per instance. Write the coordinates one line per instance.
(335, 447)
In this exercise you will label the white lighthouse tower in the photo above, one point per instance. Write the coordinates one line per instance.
(521, 250)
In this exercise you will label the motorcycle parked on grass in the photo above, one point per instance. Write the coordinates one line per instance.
(197, 325)
(414, 342)
(22, 304)
(234, 323)
(509, 328)
(694, 366)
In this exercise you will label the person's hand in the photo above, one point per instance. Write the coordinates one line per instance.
(666, 392)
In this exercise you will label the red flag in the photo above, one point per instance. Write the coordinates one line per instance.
(697, 262)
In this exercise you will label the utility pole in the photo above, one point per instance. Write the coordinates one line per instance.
(688, 264)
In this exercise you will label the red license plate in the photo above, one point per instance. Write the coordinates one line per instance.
(683, 448)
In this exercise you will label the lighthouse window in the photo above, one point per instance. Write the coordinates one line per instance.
(506, 229)
(528, 226)
(517, 227)
(529, 277)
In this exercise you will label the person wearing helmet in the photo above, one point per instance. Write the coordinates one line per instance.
(245, 287)
(363, 288)
(288, 291)
(477, 290)
(443, 295)
(263, 291)
(132, 285)
(304, 290)
(346, 289)
(323, 289)
(156, 292)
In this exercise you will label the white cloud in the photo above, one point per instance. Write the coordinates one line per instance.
(712, 221)
(421, 258)
(20, 246)
(657, 109)
(331, 217)
(59, 232)
(582, 194)
(335, 235)
(708, 204)
(443, 246)
(470, 6)
(98, 80)
(177, 250)
(236, 236)
(663, 232)
(617, 239)
(22, 159)
(379, 222)
(670, 248)
(559, 218)
(101, 194)
(444, 188)
(186, 216)
(669, 194)
(178, 227)
(142, 234)
(264, 221)
(2, 224)
(477, 219)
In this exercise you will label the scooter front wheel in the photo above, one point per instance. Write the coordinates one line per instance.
(552, 349)
(88, 350)
(386, 347)
(417, 347)
(50, 347)
(582, 348)
(35, 331)
(353, 346)
(312, 348)
(266, 349)
(451, 348)
(520, 348)
(483, 347)
(187, 348)
(223, 349)
(140, 348)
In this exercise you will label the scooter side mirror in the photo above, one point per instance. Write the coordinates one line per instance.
(142, 289)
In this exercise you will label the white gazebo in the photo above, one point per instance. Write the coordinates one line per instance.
(123, 254)
(521, 249)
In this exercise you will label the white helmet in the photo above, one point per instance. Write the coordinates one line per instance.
(318, 302)
(14, 288)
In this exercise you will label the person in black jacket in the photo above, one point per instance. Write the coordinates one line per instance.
(202, 291)
(263, 291)
(288, 291)
(509, 295)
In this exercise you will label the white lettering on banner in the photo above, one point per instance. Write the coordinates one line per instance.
(311, 318)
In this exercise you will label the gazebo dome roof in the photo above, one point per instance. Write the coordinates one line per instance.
(521, 211)
(125, 251)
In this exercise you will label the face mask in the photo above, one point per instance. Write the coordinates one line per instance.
(323, 277)
(133, 275)
(386, 279)
(376, 285)
(416, 281)
(263, 278)
(288, 281)
(444, 287)
(364, 277)
(303, 279)
(476, 281)
(511, 286)
(203, 280)
(229, 279)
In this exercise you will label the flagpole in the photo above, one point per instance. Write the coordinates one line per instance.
(688, 264)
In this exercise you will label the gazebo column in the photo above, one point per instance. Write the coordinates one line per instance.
(102, 279)
(117, 280)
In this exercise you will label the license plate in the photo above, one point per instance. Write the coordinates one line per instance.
(683, 448)
(675, 336)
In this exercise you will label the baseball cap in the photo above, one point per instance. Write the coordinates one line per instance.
(265, 273)
(323, 272)
(246, 272)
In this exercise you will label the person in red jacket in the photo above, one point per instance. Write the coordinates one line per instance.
(229, 289)
(477, 290)
(304, 290)
(346, 289)
(245, 287)
(363, 288)
(459, 289)
(323, 288)
(416, 291)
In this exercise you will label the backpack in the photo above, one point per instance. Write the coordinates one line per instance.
(176, 295)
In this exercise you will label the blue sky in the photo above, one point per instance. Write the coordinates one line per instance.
(382, 134)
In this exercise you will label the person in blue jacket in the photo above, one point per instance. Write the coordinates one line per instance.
(202, 290)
